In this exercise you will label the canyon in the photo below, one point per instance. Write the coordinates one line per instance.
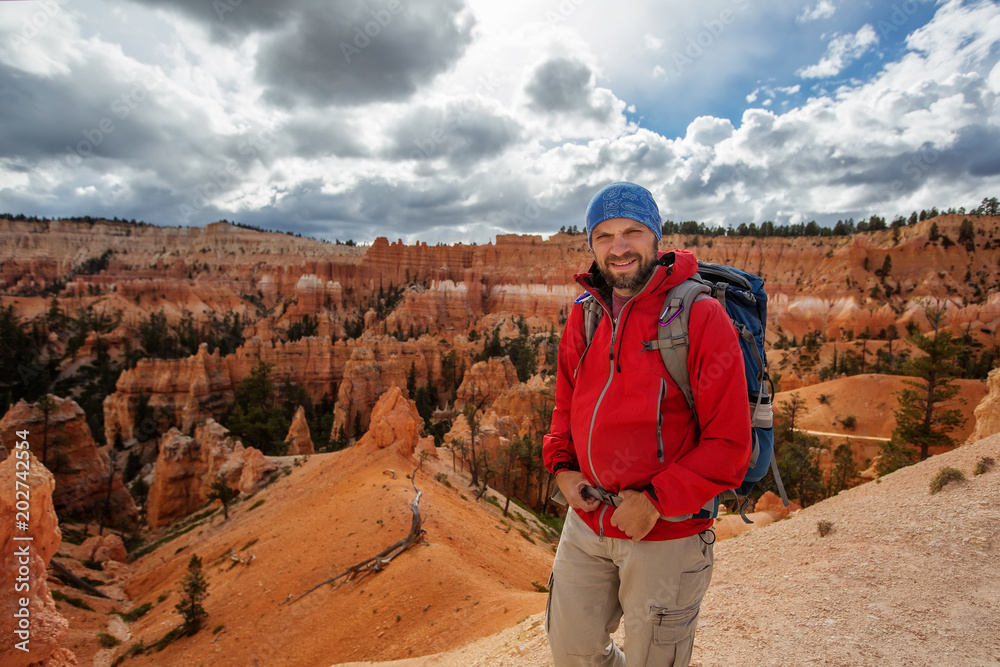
(388, 347)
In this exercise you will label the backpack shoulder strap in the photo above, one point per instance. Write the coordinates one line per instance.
(672, 332)
(592, 313)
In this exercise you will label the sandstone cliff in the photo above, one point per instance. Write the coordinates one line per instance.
(397, 425)
(31, 630)
(187, 466)
(299, 439)
(987, 413)
(83, 471)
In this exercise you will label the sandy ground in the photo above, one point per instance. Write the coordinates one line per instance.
(470, 577)
(904, 578)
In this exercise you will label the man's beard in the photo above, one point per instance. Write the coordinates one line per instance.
(632, 280)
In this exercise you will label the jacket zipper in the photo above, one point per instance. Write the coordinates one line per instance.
(659, 419)
(600, 399)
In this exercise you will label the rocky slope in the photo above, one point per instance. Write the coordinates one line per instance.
(329, 512)
(903, 577)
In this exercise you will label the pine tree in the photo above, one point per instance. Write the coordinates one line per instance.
(224, 494)
(845, 472)
(920, 420)
(195, 590)
(411, 381)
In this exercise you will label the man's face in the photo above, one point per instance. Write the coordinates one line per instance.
(625, 252)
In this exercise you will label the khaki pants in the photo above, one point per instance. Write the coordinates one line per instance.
(657, 586)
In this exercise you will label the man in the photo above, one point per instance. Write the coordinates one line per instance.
(621, 424)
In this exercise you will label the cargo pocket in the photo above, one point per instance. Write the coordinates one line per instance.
(548, 602)
(673, 624)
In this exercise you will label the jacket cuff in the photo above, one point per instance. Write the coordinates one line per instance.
(565, 465)
(650, 492)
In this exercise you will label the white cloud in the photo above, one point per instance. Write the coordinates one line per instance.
(523, 127)
(841, 52)
(653, 43)
(824, 9)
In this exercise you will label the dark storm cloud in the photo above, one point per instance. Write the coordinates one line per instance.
(340, 52)
(476, 207)
(86, 111)
(230, 20)
(87, 124)
(347, 53)
(565, 85)
(317, 135)
(464, 132)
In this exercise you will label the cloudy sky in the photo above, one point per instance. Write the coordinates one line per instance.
(456, 120)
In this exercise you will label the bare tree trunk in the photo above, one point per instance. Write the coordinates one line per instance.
(379, 561)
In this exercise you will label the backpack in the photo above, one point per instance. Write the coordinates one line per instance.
(745, 301)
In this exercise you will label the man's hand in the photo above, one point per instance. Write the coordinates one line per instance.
(571, 483)
(636, 516)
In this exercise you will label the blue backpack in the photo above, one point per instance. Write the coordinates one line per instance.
(745, 301)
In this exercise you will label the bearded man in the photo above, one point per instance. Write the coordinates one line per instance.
(622, 432)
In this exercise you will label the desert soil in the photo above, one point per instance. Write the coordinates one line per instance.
(905, 577)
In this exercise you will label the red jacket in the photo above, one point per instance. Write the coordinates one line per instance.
(607, 406)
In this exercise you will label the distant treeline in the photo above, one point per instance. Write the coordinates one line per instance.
(989, 206)
(90, 220)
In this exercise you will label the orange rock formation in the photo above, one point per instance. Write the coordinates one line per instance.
(187, 466)
(82, 470)
(299, 439)
(987, 413)
(31, 630)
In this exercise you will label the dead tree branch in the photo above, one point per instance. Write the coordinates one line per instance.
(379, 561)
(63, 572)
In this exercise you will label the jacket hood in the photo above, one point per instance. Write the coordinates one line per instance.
(673, 267)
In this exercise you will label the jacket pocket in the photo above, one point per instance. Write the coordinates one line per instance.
(659, 419)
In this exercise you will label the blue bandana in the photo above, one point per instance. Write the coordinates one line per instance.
(624, 200)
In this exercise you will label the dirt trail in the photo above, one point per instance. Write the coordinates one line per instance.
(904, 578)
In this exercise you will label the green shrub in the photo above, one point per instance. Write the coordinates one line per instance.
(217, 629)
(108, 641)
(136, 613)
(257, 504)
(539, 587)
(68, 599)
(443, 478)
(165, 640)
(984, 465)
(824, 527)
(946, 476)
(249, 544)
(92, 564)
